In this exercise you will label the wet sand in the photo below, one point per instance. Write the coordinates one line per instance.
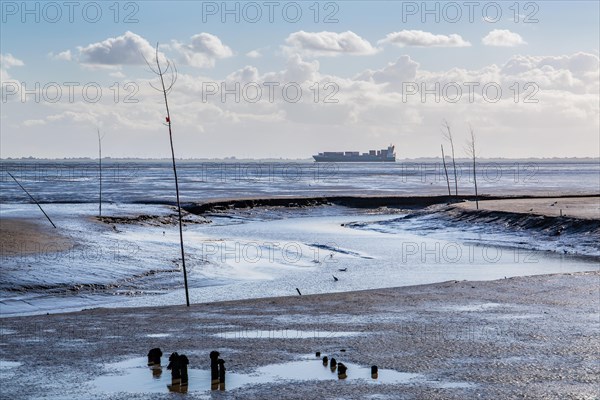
(524, 337)
(29, 236)
(527, 337)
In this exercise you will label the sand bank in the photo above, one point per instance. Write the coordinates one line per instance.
(533, 337)
(574, 207)
(29, 236)
(510, 203)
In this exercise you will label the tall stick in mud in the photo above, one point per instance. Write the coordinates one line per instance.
(448, 135)
(446, 170)
(100, 172)
(473, 155)
(31, 197)
(165, 91)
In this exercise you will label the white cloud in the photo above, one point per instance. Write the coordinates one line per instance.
(244, 75)
(579, 62)
(254, 54)
(418, 38)
(63, 55)
(298, 70)
(8, 61)
(202, 51)
(578, 73)
(117, 74)
(394, 74)
(128, 49)
(370, 110)
(34, 122)
(503, 38)
(329, 44)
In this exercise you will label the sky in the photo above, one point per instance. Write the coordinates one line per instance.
(271, 79)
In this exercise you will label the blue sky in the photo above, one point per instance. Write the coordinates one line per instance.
(557, 53)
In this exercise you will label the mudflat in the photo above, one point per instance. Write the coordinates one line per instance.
(533, 337)
(20, 236)
(574, 207)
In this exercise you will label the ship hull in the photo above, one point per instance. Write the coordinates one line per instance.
(362, 158)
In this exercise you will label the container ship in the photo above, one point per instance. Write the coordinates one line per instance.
(384, 155)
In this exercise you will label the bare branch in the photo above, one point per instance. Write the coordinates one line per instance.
(448, 133)
(448, 136)
(148, 64)
(161, 70)
(154, 87)
(446, 170)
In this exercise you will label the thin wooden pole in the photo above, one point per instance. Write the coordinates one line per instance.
(450, 139)
(446, 170)
(474, 154)
(100, 166)
(162, 81)
(31, 197)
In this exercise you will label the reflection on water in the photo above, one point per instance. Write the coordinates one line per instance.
(283, 334)
(156, 371)
(177, 388)
(132, 376)
(269, 255)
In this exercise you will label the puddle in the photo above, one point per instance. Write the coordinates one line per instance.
(4, 365)
(452, 385)
(476, 307)
(348, 319)
(315, 370)
(283, 334)
(134, 376)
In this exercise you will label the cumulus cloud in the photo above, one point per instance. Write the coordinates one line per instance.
(254, 54)
(117, 74)
(371, 109)
(128, 49)
(8, 61)
(244, 75)
(418, 38)
(202, 51)
(394, 74)
(577, 72)
(298, 70)
(579, 62)
(63, 55)
(503, 38)
(328, 44)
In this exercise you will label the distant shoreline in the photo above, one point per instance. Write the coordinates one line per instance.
(307, 159)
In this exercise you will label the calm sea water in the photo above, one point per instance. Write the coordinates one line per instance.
(270, 251)
(143, 181)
